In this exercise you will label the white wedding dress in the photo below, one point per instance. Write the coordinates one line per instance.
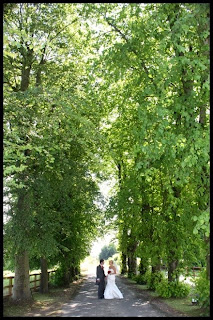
(111, 290)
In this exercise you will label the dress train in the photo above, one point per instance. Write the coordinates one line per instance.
(111, 290)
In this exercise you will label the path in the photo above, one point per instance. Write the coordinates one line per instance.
(134, 303)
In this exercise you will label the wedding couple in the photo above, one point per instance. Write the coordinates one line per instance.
(111, 291)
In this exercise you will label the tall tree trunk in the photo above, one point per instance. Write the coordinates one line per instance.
(72, 272)
(39, 70)
(207, 241)
(208, 266)
(173, 258)
(26, 68)
(25, 78)
(121, 177)
(132, 264)
(44, 276)
(172, 266)
(202, 115)
(132, 260)
(206, 42)
(156, 268)
(123, 263)
(67, 276)
(202, 121)
(21, 288)
(77, 269)
(142, 267)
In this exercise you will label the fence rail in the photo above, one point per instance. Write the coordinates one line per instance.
(35, 282)
(194, 269)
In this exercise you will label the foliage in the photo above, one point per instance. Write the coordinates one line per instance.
(107, 251)
(152, 279)
(202, 290)
(139, 278)
(202, 223)
(175, 289)
(8, 264)
(107, 91)
(179, 289)
(163, 289)
(155, 85)
(59, 279)
(50, 137)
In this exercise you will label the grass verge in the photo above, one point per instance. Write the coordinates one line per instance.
(182, 305)
(42, 305)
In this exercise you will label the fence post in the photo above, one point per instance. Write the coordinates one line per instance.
(35, 283)
(193, 272)
(10, 286)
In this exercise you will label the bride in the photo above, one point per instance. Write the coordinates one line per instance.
(111, 290)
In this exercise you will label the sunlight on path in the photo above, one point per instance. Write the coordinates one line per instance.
(87, 304)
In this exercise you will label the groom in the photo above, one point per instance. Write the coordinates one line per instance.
(100, 275)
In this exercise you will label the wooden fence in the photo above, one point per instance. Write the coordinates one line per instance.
(34, 284)
(194, 269)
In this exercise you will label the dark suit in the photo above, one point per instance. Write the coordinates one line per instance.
(101, 287)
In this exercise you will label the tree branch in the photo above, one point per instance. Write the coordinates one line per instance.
(116, 29)
(63, 29)
(127, 41)
(15, 88)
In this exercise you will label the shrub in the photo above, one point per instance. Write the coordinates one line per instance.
(63, 276)
(152, 279)
(140, 279)
(133, 277)
(179, 289)
(163, 290)
(59, 277)
(175, 289)
(202, 290)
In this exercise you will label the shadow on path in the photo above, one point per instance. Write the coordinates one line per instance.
(87, 304)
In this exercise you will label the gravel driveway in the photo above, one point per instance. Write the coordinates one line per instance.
(134, 304)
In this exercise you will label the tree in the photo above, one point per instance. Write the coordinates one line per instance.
(132, 103)
(154, 126)
(107, 251)
(48, 158)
